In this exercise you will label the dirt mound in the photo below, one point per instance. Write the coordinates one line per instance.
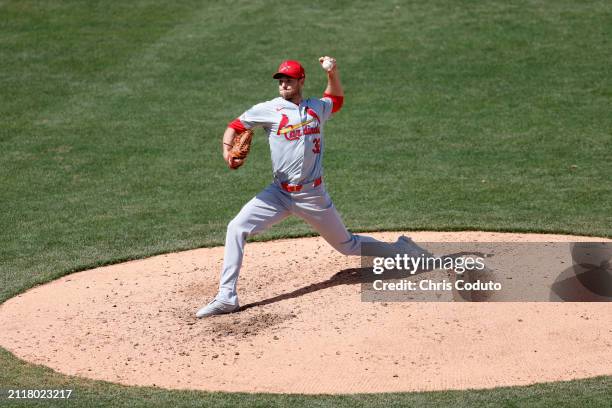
(302, 329)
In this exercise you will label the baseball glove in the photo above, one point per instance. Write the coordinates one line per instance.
(241, 146)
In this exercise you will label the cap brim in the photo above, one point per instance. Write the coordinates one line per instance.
(281, 74)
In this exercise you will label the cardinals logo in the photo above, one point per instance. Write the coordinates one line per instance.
(294, 132)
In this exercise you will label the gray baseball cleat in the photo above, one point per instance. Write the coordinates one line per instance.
(216, 308)
(408, 246)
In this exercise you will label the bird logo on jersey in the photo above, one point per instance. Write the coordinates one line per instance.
(308, 127)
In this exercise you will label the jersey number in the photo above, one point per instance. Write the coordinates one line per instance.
(317, 146)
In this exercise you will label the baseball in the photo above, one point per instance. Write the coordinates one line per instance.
(327, 64)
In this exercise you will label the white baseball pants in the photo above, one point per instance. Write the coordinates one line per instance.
(271, 206)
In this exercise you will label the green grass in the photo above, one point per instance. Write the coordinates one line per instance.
(490, 115)
(593, 392)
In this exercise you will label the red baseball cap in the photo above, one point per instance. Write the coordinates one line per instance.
(290, 68)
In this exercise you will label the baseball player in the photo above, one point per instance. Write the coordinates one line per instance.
(294, 126)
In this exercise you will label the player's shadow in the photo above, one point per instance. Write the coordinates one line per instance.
(349, 276)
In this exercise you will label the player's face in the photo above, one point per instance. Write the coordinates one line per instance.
(290, 88)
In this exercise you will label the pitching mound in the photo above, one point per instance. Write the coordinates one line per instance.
(305, 329)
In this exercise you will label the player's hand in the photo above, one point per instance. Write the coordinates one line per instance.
(331, 70)
(232, 162)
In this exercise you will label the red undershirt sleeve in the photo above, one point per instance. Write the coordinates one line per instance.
(237, 125)
(336, 100)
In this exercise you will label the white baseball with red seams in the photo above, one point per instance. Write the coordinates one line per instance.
(294, 127)
(327, 64)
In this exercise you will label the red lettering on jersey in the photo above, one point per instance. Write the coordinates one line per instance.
(287, 130)
(294, 132)
(317, 146)
(311, 131)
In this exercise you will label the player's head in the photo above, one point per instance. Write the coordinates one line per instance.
(291, 76)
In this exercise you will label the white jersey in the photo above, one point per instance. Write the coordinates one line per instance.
(295, 134)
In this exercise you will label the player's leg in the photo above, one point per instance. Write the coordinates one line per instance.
(261, 212)
(317, 209)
